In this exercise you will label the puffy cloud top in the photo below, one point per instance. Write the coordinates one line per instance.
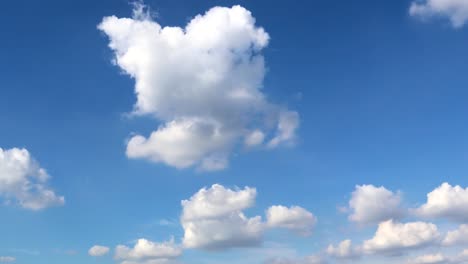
(203, 81)
(446, 201)
(23, 180)
(393, 237)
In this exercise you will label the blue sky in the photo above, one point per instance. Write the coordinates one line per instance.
(311, 105)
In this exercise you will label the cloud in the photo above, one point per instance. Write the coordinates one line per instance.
(370, 205)
(456, 237)
(7, 259)
(429, 259)
(455, 10)
(344, 250)
(148, 252)
(392, 237)
(446, 201)
(213, 219)
(203, 82)
(294, 218)
(98, 251)
(23, 181)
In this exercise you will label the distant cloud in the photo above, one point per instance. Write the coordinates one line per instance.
(294, 218)
(148, 252)
(213, 219)
(446, 201)
(98, 251)
(455, 10)
(371, 205)
(203, 82)
(7, 259)
(344, 250)
(23, 181)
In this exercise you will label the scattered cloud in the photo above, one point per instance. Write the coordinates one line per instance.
(371, 205)
(455, 10)
(305, 260)
(148, 252)
(213, 219)
(446, 201)
(294, 218)
(203, 82)
(23, 181)
(98, 251)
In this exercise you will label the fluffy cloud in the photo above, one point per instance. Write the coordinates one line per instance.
(148, 252)
(455, 10)
(446, 201)
(344, 250)
(213, 219)
(294, 218)
(456, 237)
(392, 237)
(203, 82)
(22, 180)
(98, 251)
(370, 204)
(429, 259)
(7, 259)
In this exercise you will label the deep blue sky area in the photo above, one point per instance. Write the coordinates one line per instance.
(382, 99)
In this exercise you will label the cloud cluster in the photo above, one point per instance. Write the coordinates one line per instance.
(203, 81)
(148, 252)
(213, 219)
(23, 181)
(439, 258)
(371, 205)
(455, 10)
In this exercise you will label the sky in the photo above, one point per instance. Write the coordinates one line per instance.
(249, 131)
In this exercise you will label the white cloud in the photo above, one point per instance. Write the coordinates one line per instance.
(446, 201)
(455, 10)
(213, 219)
(98, 251)
(344, 250)
(429, 259)
(22, 180)
(203, 82)
(456, 237)
(370, 204)
(148, 252)
(294, 218)
(392, 237)
(7, 259)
